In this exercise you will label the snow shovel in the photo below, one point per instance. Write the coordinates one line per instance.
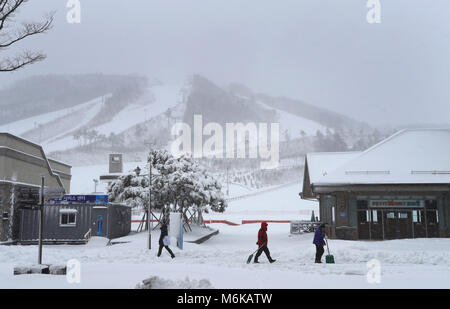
(329, 259)
(250, 257)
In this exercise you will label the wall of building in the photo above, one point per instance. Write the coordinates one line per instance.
(64, 172)
(116, 222)
(346, 222)
(5, 208)
(10, 141)
(24, 162)
(29, 224)
(119, 221)
(28, 170)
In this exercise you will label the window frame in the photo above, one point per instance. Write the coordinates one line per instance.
(69, 223)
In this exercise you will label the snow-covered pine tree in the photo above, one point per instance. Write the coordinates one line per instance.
(180, 183)
(131, 189)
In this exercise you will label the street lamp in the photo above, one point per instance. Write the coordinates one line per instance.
(95, 185)
(149, 208)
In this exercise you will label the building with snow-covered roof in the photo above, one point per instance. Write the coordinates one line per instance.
(22, 163)
(399, 188)
(67, 220)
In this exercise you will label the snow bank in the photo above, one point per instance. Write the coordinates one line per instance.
(158, 283)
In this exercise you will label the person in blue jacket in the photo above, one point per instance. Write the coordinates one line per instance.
(319, 241)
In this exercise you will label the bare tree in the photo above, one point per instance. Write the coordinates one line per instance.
(10, 34)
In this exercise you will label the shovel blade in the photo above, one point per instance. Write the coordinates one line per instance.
(249, 258)
(329, 259)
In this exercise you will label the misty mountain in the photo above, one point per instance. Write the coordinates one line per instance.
(91, 115)
(46, 93)
(219, 105)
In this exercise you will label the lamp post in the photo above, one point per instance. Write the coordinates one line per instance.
(41, 223)
(149, 208)
(228, 183)
(95, 185)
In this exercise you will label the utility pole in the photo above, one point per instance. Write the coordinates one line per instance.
(41, 224)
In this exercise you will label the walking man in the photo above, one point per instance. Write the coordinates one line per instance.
(319, 241)
(262, 243)
(164, 241)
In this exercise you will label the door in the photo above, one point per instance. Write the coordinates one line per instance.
(419, 223)
(376, 224)
(390, 224)
(432, 223)
(99, 224)
(404, 224)
(363, 224)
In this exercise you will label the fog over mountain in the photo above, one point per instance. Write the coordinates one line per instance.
(322, 52)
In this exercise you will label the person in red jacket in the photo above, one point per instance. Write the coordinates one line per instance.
(262, 243)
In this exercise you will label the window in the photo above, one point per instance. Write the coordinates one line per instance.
(68, 218)
(363, 216)
(374, 216)
(390, 215)
(333, 215)
(416, 217)
(403, 215)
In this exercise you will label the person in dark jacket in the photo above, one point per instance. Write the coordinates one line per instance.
(262, 243)
(162, 245)
(319, 241)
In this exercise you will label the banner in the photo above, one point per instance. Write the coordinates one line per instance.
(176, 228)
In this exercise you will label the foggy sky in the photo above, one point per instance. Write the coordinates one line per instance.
(320, 51)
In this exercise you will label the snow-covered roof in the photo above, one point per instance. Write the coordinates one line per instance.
(413, 156)
(320, 164)
(68, 211)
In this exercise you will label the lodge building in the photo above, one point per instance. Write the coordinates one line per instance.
(398, 188)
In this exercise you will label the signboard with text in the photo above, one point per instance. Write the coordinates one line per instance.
(80, 199)
(397, 203)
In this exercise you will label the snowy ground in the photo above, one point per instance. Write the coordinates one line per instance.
(411, 263)
(419, 263)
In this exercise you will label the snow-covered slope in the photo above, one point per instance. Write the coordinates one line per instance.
(23, 126)
(294, 124)
(55, 130)
(155, 102)
(64, 140)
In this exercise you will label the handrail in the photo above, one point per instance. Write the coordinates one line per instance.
(88, 235)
